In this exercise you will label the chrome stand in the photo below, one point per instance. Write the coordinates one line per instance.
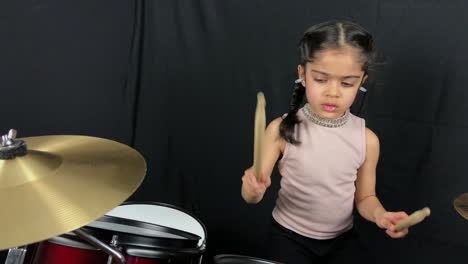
(16, 255)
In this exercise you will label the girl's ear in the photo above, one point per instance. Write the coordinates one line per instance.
(300, 72)
(364, 78)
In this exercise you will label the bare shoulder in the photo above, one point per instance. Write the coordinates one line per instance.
(272, 133)
(372, 147)
(371, 138)
(274, 125)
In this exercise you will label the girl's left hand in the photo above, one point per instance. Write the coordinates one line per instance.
(388, 220)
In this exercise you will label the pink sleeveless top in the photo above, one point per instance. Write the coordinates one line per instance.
(316, 197)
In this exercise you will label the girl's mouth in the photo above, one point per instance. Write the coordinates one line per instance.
(329, 107)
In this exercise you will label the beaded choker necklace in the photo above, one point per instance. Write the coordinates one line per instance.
(315, 118)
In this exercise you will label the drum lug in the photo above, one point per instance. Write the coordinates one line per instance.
(99, 244)
(114, 245)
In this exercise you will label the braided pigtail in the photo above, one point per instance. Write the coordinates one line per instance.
(288, 123)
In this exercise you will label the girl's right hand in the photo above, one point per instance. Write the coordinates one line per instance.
(253, 189)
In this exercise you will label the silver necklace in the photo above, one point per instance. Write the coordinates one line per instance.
(315, 118)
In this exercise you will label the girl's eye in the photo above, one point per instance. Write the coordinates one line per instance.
(320, 80)
(345, 84)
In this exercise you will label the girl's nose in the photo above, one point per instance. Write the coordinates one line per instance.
(333, 90)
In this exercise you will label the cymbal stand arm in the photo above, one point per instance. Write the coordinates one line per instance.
(99, 244)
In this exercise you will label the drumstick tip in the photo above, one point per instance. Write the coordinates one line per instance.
(261, 98)
(413, 219)
(427, 211)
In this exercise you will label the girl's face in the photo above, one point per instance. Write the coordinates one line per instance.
(332, 81)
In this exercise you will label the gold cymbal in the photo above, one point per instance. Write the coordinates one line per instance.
(63, 183)
(461, 205)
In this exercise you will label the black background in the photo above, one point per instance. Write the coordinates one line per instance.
(177, 80)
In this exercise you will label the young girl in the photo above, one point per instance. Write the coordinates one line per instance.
(327, 157)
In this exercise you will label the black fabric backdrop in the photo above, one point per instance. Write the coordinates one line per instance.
(177, 80)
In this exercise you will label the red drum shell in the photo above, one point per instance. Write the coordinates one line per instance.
(61, 250)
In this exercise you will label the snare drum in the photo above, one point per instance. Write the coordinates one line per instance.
(164, 215)
(142, 242)
(178, 232)
(238, 259)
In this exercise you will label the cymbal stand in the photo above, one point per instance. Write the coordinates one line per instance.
(9, 149)
(16, 255)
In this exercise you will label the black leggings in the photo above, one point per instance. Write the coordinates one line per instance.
(286, 246)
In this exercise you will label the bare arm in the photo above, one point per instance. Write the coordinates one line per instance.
(253, 190)
(367, 203)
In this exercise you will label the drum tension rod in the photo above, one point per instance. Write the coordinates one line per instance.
(99, 244)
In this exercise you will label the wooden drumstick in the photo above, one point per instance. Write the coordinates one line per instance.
(413, 219)
(259, 133)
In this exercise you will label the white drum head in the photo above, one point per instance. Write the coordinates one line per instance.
(161, 215)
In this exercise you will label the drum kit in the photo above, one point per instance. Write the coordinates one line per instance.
(63, 201)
